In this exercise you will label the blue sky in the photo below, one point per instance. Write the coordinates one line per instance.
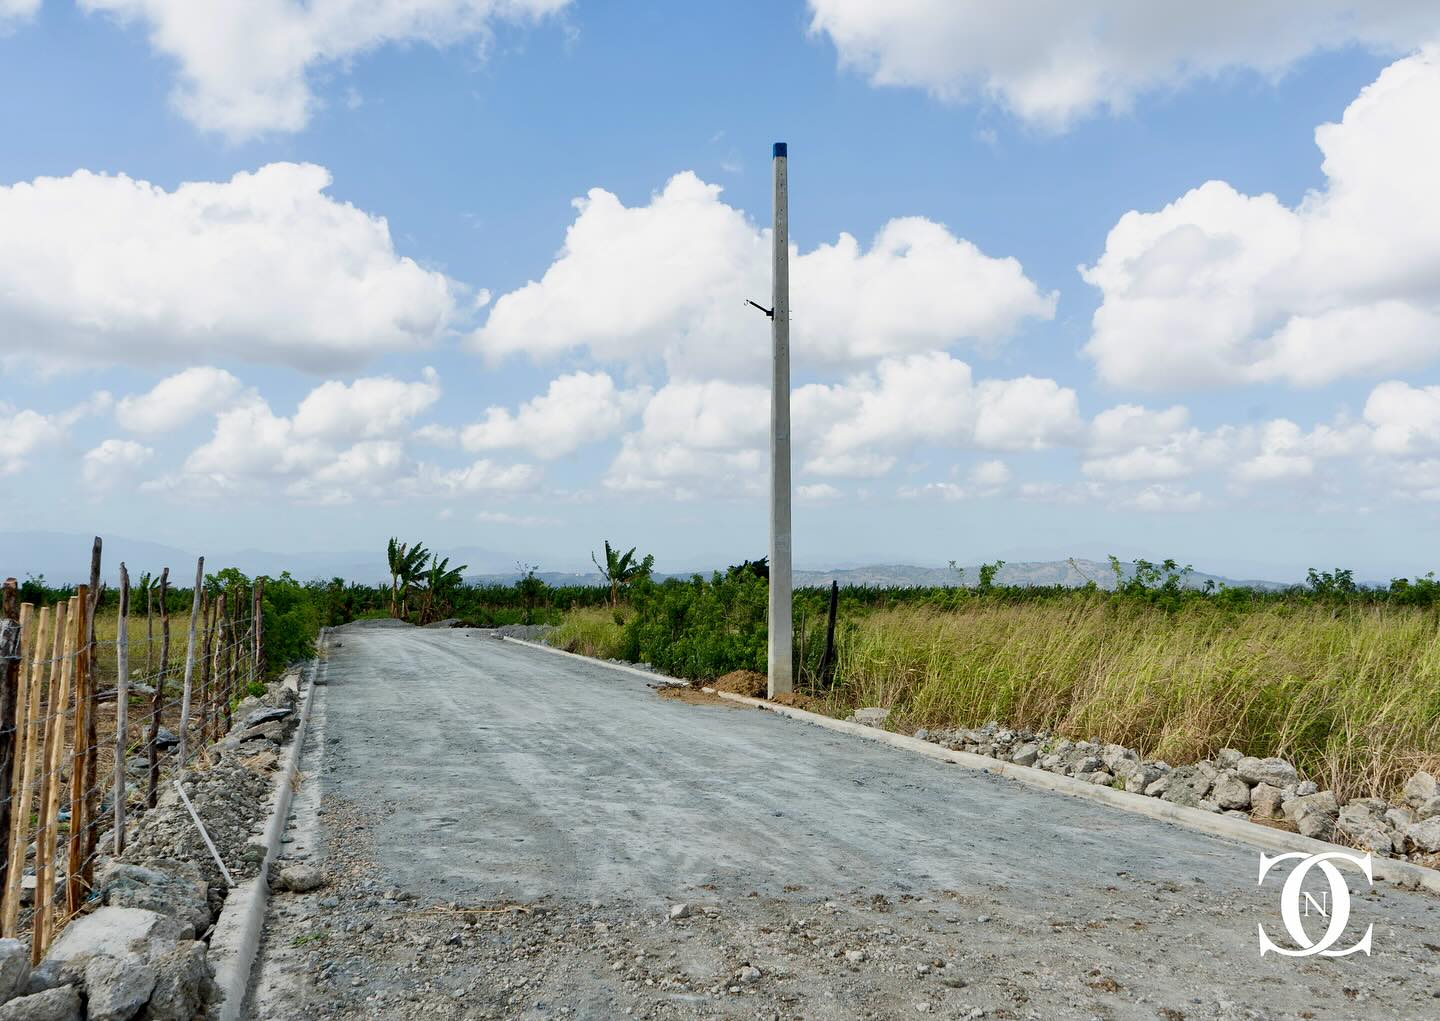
(1255, 394)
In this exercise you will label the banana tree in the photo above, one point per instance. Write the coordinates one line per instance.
(620, 569)
(441, 583)
(406, 564)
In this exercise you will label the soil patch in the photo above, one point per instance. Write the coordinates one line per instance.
(694, 696)
(742, 682)
(797, 700)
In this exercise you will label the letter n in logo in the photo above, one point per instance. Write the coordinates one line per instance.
(1292, 898)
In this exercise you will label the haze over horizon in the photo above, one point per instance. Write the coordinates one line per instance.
(474, 273)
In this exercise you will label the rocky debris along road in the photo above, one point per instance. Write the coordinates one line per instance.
(498, 832)
(1264, 790)
(138, 949)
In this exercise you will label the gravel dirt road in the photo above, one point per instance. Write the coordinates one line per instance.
(506, 833)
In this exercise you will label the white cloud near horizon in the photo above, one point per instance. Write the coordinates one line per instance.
(25, 432)
(245, 66)
(667, 281)
(1220, 288)
(265, 267)
(1051, 62)
(346, 441)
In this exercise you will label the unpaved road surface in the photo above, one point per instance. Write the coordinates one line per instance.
(505, 832)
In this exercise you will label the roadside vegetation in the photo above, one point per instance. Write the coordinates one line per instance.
(1344, 681)
(1339, 678)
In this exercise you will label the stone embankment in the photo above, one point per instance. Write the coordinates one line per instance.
(1264, 790)
(139, 948)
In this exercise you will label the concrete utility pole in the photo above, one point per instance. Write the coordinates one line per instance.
(782, 638)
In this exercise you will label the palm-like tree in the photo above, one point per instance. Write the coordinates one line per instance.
(620, 569)
(406, 564)
(441, 581)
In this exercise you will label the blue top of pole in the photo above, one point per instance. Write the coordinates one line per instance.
(780, 149)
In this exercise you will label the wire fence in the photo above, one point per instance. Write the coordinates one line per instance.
(78, 761)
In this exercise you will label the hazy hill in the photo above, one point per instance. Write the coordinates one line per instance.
(1073, 573)
(65, 558)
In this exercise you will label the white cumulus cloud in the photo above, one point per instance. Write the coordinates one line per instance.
(12, 11)
(371, 407)
(576, 409)
(265, 267)
(1223, 288)
(177, 399)
(669, 280)
(245, 65)
(113, 461)
(711, 436)
(1052, 61)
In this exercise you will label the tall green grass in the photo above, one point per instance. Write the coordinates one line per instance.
(1349, 693)
(1348, 690)
(589, 632)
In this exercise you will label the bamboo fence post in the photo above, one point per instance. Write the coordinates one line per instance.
(31, 691)
(10, 892)
(53, 717)
(156, 699)
(118, 794)
(10, 651)
(190, 663)
(202, 697)
(149, 626)
(91, 786)
(257, 663)
(45, 845)
(231, 652)
(79, 752)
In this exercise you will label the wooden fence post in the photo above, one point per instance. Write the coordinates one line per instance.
(157, 699)
(79, 752)
(122, 708)
(257, 665)
(31, 689)
(14, 820)
(231, 654)
(149, 627)
(190, 663)
(207, 615)
(827, 658)
(61, 672)
(9, 682)
(91, 786)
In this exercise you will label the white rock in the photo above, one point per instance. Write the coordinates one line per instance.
(117, 987)
(1425, 835)
(14, 967)
(679, 911)
(1275, 772)
(871, 716)
(62, 1004)
(1418, 789)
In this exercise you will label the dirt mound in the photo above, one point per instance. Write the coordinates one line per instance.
(742, 682)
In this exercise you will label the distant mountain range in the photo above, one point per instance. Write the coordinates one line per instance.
(64, 558)
(1073, 573)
